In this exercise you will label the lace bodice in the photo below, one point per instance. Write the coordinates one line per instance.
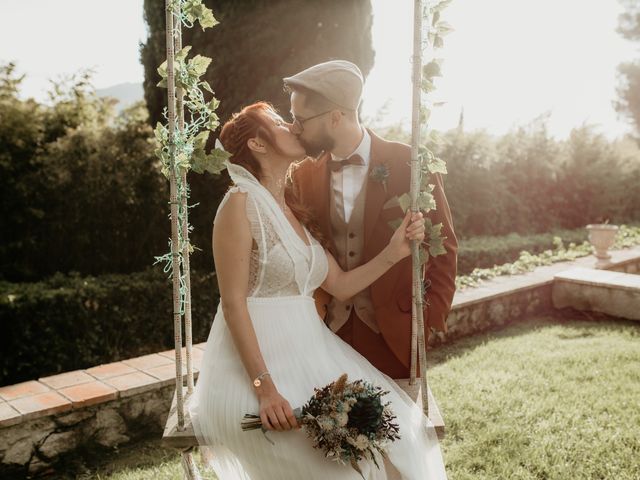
(281, 263)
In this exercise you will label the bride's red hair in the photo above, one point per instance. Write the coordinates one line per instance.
(251, 122)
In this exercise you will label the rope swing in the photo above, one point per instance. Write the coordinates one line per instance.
(181, 147)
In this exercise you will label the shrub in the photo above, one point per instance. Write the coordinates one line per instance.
(67, 322)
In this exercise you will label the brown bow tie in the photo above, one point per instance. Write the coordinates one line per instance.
(336, 165)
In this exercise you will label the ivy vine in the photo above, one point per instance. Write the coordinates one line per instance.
(429, 163)
(185, 151)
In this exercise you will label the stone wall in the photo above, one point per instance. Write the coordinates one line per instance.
(35, 446)
(475, 317)
(508, 299)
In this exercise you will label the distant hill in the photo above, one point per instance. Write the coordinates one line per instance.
(125, 93)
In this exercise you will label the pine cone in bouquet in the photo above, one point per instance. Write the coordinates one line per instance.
(366, 415)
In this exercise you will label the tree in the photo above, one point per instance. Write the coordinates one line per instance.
(256, 44)
(81, 189)
(628, 103)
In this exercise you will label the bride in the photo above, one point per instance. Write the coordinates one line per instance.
(268, 348)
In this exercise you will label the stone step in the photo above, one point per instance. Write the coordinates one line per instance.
(612, 293)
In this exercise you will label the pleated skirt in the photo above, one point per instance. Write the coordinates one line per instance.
(301, 353)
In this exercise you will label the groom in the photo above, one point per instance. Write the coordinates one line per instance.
(350, 188)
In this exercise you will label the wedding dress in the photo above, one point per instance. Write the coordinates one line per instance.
(301, 353)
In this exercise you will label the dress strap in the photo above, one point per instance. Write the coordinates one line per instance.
(258, 231)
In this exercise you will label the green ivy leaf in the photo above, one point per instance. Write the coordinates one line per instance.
(437, 165)
(425, 186)
(207, 19)
(180, 83)
(432, 69)
(427, 85)
(441, 6)
(432, 230)
(426, 201)
(433, 233)
(182, 54)
(405, 201)
(182, 160)
(199, 161)
(425, 115)
(161, 133)
(213, 122)
(437, 247)
(200, 140)
(392, 202)
(444, 28)
(195, 10)
(207, 87)
(214, 103)
(216, 161)
(436, 17)
(198, 65)
(162, 69)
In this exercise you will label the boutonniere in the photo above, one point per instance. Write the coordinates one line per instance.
(380, 174)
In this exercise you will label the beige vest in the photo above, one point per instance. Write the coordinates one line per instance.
(349, 241)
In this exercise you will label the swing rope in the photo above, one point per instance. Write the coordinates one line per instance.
(175, 255)
(186, 270)
(418, 337)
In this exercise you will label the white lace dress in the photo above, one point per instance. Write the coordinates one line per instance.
(301, 353)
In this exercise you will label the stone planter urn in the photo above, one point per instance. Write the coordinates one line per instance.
(601, 237)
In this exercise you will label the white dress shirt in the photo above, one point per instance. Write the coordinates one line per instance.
(347, 182)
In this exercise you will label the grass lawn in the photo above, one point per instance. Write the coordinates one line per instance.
(549, 398)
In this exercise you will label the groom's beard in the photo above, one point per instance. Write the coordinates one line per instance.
(316, 146)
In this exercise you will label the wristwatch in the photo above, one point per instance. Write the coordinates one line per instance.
(257, 381)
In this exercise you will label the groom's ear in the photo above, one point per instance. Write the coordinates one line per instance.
(256, 145)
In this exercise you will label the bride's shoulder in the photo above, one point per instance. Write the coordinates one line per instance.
(233, 206)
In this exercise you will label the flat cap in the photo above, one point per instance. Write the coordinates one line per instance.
(339, 81)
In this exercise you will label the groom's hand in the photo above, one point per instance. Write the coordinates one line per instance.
(412, 228)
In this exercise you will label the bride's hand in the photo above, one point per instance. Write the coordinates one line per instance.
(400, 243)
(275, 412)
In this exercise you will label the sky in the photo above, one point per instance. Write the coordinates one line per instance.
(506, 63)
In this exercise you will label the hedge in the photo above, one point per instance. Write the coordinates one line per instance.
(68, 322)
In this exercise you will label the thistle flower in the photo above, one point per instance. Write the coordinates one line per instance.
(380, 174)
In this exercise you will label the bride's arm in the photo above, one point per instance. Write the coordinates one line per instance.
(232, 243)
(344, 285)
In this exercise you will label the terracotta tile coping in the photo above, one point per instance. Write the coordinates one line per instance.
(81, 388)
(9, 415)
(24, 389)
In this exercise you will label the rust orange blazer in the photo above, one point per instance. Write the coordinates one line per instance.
(391, 293)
